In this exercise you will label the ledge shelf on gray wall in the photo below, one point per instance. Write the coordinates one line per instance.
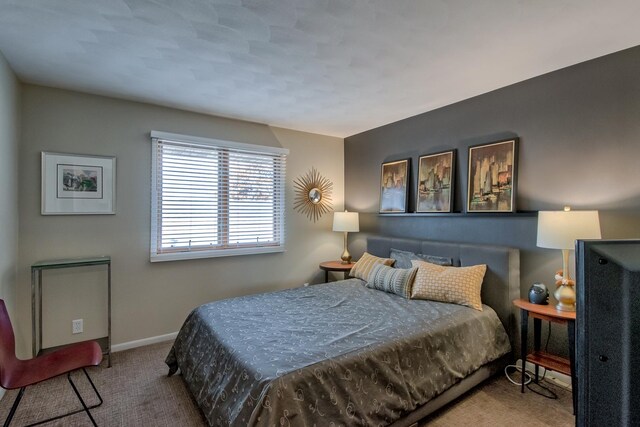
(463, 214)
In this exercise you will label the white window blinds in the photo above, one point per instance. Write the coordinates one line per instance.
(215, 198)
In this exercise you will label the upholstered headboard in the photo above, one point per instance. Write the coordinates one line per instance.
(501, 282)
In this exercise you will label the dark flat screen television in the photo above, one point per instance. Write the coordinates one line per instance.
(608, 332)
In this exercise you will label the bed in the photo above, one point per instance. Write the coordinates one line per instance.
(343, 354)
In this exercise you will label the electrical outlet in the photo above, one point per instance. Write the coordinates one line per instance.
(76, 326)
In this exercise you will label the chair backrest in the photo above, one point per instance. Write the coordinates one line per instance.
(7, 346)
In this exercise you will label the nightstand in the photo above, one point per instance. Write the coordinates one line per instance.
(328, 266)
(539, 358)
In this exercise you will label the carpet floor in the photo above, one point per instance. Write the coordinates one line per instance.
(137, 392)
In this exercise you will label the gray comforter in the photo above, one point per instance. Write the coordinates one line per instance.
(332, 354)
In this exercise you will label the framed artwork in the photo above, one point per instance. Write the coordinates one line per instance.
(393, 187)
(75, 184)
(435, 182)
(492, 177)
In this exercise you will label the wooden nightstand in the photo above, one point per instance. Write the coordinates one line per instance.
(541, 358)
(328, 266)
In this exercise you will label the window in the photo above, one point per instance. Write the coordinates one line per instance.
(215, 198)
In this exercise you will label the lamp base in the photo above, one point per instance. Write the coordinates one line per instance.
(566, 296)
(565, 293)
(346, 256)
(564, 307)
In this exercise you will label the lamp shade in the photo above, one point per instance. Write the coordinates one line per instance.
(346, 221)
(561, 229)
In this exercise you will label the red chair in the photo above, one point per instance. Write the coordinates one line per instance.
(16, 373)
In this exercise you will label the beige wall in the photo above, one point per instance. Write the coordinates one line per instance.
(9, 133)
(149, 299)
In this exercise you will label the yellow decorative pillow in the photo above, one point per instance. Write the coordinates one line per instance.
(457, 285)
(364, 265)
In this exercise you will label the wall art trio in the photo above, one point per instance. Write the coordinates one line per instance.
(491, 178)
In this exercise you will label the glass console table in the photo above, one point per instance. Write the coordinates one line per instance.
(36, 299)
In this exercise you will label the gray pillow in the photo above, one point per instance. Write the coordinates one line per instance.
(392, 280)
(403, 258)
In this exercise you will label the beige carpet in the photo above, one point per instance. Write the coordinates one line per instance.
(137, 392)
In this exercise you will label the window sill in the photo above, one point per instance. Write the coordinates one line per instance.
(178, 256)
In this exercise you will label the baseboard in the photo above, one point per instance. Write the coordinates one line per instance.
(144, 341)
(556, 377)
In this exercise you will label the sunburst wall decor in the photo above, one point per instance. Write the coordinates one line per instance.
(313, 195)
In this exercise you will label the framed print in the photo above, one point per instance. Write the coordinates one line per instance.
(435, 182)
(393, 187)
(492, 177)
(74, 184)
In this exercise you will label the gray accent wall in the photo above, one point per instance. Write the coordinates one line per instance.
(579, 131)
(9, 135)
(149, 300)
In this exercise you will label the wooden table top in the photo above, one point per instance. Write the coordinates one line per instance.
(547, 310)
(336, 266)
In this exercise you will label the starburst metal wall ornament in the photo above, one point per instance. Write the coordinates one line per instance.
(313, 195)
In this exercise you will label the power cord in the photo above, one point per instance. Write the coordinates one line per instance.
(517, 368)
(548, 393)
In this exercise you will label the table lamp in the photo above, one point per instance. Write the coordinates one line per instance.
(346, 222)
(560, 230)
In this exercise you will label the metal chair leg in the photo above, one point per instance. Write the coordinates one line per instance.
(12, 412)
(84, 405)
(95, 390)
(76, 411)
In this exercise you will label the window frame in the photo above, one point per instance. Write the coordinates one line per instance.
(223, 250)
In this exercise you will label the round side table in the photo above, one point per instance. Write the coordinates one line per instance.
(328, 266)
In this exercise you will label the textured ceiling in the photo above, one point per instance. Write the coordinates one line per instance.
(335, 67)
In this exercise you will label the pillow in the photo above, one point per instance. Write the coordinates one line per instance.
(457, 285)
(364, 265)
(404, 258)
(393, 280)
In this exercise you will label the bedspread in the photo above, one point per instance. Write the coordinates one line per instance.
(331, 354)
